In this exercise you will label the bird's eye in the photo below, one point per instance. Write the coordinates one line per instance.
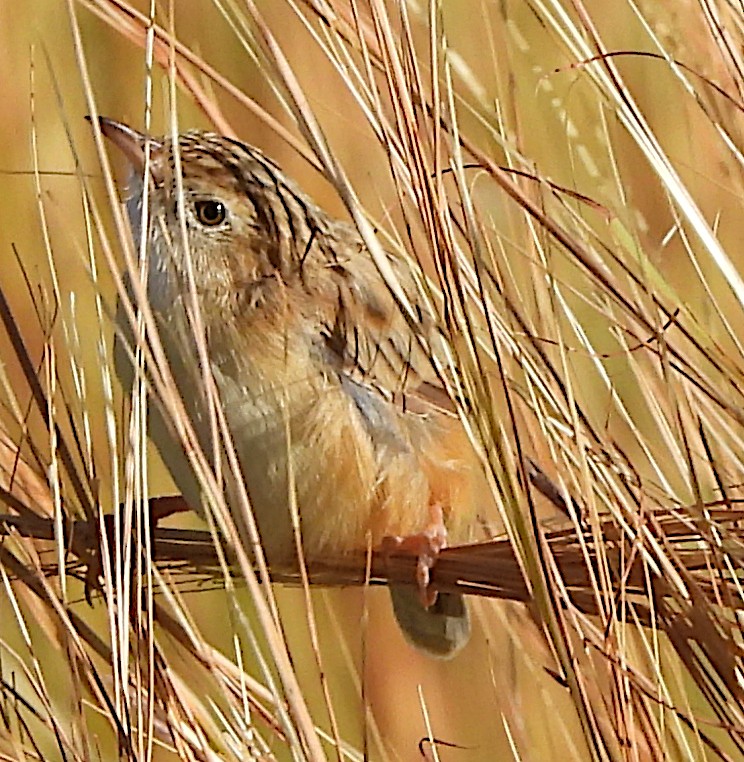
(210, 212)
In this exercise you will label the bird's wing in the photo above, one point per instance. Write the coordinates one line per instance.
(365, 336)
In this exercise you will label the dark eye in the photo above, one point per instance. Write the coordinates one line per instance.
(210, 213)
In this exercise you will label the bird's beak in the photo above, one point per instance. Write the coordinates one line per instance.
(131, 143)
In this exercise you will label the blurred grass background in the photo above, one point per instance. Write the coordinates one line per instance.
(507, 58)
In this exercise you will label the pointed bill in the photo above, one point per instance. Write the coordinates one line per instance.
(131, 143)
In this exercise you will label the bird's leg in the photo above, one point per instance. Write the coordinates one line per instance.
(426, 546)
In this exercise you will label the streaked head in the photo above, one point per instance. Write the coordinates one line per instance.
(246, 227)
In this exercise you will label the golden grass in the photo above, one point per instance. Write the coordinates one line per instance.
(569, 178)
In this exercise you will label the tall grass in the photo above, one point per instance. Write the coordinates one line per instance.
(566, 177)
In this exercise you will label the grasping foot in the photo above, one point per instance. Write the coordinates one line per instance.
(426, 546)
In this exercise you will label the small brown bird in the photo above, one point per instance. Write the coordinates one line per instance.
(328, 390)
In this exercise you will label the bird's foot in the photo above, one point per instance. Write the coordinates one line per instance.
(426, 546)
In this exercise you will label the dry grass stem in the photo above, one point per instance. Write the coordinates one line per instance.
(565, 181)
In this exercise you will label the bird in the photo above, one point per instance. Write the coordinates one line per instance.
(329, 388)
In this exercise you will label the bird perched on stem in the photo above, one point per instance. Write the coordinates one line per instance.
(329, 390)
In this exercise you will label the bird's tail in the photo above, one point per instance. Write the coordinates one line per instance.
(440, 630)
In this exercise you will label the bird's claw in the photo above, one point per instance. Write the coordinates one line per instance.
(426, 546)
